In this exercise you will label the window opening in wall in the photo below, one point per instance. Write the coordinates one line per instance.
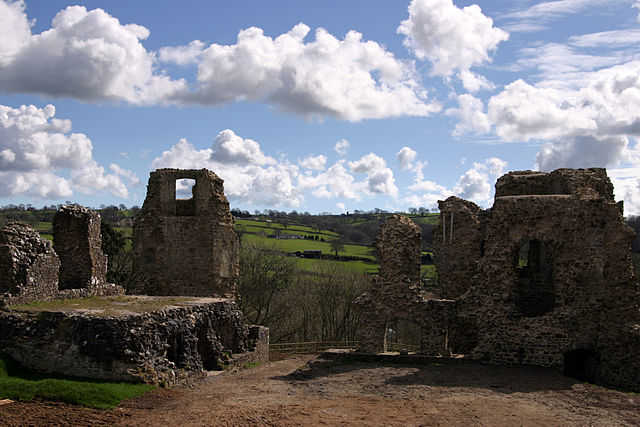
(535, 294)
(185, 200)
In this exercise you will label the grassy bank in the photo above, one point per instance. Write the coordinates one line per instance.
(18, 383)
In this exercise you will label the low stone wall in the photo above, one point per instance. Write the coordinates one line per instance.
(177, 338)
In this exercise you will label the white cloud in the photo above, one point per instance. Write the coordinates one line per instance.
(588, 126)
(537, 17)
(626, 182)
(637, 6)
(473, 82)
(86, 55)
(335, 182)
(450, 37)
(90, 55)
(405, 157)
(91, 178)
(348, 79)
(261, 180)
(380, 178)
(182, 55)
(341, 206)
(471, 114)
(314, 162)
(341, 147)
(476, 183)
(248, 177)
(35, 147)
(582, 152)
(229, 148)
(15, 30)
(612, 38)
(553, 9)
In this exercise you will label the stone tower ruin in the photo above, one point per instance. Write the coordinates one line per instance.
(78, 243)
(185, 247)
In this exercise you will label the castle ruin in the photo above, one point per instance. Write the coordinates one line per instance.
(186, 255)
(542, 278)
(185, 247)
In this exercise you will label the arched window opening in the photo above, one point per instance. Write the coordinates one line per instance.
(535, 294)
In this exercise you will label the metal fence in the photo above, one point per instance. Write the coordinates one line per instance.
(320, 346)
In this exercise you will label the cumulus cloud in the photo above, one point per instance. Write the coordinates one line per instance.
(582, 152)
(182, 55)
(229, 148)
(35, 146)
(348, 79)
(248, 177)
(380, 178)
(262, 180)
(335, 182)
(626, 182)
(450, 37)
(473, 82)
(476, 183)
(341, 147)
(90, 55)
(405, 157)
(588, 126)
(314, 162)
(471, 114)
(86, 55)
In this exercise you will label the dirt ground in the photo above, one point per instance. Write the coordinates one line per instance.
(313, 391)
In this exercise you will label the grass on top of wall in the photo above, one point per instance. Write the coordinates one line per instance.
(19, 383)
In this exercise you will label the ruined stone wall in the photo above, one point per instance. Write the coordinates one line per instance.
(185, 247)
(162, 346)
(553, 283)
(398, 247)
(458, 245)
(28, 266)
(396, 292)
(78, 243)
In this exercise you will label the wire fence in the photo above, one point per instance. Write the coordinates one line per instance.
(312, 347)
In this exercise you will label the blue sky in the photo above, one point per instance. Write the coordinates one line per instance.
(315, 106)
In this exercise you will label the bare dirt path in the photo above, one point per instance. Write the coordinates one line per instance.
(312, 391)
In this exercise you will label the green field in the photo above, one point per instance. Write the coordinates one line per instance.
(294, 245)
(317, 265)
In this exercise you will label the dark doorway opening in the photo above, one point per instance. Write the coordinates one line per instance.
(175, 351)
(582, 365)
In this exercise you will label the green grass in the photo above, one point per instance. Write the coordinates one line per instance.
(428, 270)
(250, 365)
(18, 383)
